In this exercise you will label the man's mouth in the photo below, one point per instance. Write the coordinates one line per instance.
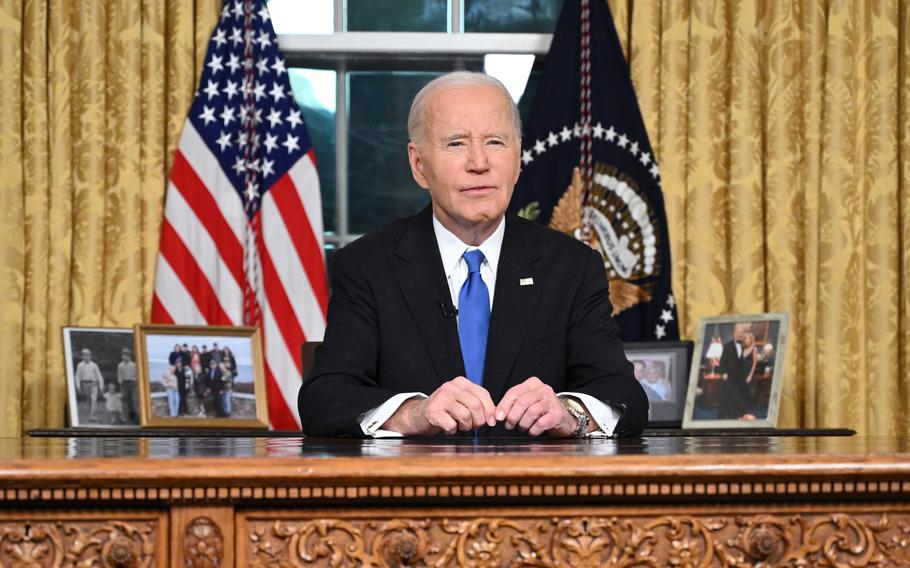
(478, 189)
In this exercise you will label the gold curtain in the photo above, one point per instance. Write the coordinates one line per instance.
(93, 97)
(783, 133)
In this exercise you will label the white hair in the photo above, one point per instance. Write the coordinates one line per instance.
(458, 79)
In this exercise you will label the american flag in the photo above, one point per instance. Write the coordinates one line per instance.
(241, 239)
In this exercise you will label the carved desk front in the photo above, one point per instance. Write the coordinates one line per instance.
(705, 501)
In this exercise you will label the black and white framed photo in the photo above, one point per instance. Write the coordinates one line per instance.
(736, 376)
(101, 377)
(662, 369)
(201, 377)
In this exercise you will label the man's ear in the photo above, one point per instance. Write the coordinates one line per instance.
(417, 165)
(518, 170)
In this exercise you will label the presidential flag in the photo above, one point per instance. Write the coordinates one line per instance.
(241, 239)
(588, 169)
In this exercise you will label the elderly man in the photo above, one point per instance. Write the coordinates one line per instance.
(462, 319)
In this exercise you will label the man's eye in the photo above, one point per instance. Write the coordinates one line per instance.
(456, 144)
(496, 142)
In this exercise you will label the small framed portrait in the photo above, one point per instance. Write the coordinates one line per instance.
(101, 377)
(201, 377)
(736, 375)
(661, 367)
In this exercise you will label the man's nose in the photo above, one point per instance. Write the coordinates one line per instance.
(478, 161)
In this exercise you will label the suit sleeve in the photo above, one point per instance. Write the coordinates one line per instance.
(343, 382)
(597, 364)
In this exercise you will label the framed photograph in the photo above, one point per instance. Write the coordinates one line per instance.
(661, 367)
(201, 377)
(736, 376)
(101, 377)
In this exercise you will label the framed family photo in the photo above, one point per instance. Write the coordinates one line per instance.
(101, 377)
(736, 375)
(662, 369)
(201, 377)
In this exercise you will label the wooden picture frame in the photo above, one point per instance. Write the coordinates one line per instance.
(737, 384)
(92, 359)
(224, 386)
(662, 368)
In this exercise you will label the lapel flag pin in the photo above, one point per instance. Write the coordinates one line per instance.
(526, 282)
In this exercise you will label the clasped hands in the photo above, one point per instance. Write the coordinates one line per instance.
(462, 405)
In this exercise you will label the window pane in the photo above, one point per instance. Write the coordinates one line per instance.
(296, 17)
(314, 90)
(397, 16)
(381, 188)
(516, 16)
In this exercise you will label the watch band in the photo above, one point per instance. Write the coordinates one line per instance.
(578, 412)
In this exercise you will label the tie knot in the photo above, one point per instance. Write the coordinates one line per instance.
(474, 258)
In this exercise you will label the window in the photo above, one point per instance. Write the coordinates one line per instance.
(354, 67)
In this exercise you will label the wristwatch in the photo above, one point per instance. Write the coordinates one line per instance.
(578, 412)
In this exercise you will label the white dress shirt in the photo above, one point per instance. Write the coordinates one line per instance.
(451, 250)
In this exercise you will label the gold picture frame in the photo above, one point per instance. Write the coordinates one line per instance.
(737, 371)
(223, 387)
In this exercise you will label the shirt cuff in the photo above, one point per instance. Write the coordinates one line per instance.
(604, 415)
(372, 420)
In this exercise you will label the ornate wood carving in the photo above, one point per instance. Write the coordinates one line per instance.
(203, 544)
(404, 490)
(684, 540)
(76, 543)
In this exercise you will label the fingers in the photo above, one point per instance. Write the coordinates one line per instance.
(457, 405)
(532, 406)
(476, 399)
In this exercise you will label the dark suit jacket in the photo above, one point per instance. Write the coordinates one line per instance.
(387, 332)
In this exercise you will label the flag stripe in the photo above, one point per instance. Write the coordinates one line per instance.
(174, 297)
(213, 265)
(285, 364)
(196, 198)
(190, 275)
(291, 273)
(309, 251)
(306, 181)
(160, 314)
(276, 297)
(214, 181)
(281, 415)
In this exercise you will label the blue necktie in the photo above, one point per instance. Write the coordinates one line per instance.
(473, 318)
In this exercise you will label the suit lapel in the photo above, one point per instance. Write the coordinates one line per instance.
(421, 277)
(513, 304)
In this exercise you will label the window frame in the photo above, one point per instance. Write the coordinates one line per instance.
(343, 51)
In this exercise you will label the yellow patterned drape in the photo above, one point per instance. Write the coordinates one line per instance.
(783, 133)
(92, 100)
(781, 126)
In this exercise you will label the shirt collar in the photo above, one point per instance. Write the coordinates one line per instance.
(451, 248)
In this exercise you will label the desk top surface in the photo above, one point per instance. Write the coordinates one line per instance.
(245, 459)
(805, 447)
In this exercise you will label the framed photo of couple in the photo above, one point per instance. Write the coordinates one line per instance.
(737, 372)
(201, 377)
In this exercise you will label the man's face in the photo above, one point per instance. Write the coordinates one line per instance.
(468, 157)
(86, 356)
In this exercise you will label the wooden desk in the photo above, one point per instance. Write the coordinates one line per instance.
(291, 502)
